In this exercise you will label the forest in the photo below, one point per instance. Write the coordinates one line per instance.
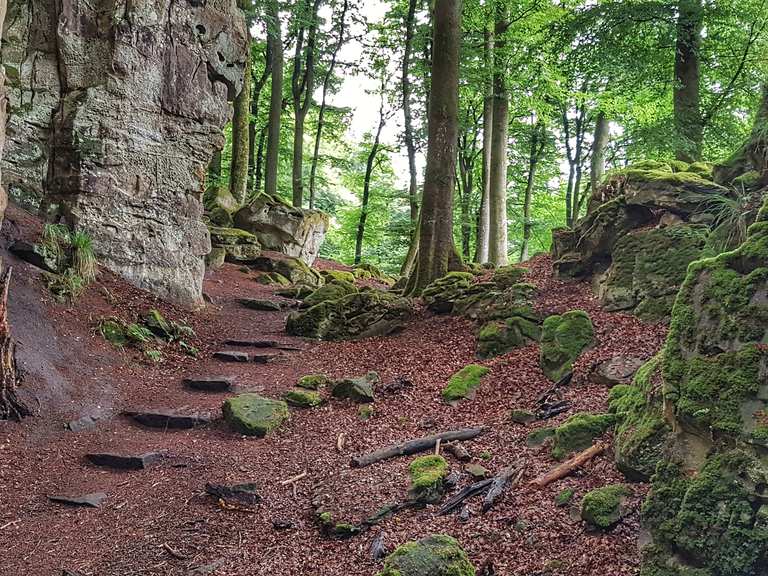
(384, 288)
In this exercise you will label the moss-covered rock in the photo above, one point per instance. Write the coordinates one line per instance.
(648, 268)
(239, 245)
(340, 529)
(365, 314)
(358, 390)
(216, 258)
(295, 270)
(338, 275)
(332, 291)
(427, 474)
(302, 398)
(564, 497)
(298, 292)
(578, 432)
(604, 507)
(522, 416)
(441, 295)
(464, 383)
(314, 381)
(254, 415)
(272, 279)
(563, 339)
(436, 555)
(500, 336)
(507, 276)
(539, 437)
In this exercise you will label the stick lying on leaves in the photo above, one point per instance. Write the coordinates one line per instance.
(414, 446)
(509, 476)
(568, 466)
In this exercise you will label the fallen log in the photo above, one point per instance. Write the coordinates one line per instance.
(465, 493)
(501, 481)
(414, 446)
(568, 466)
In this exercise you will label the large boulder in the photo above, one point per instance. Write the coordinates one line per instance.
(237, 245)
(294, 269)
(254, 415)
(563, 339)
(140, 94)
(364, 314)
(435, 555)
(280, 227)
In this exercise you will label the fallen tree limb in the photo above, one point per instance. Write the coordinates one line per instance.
(465, 493)
(414, 446)
(510, 476)
(568, 466)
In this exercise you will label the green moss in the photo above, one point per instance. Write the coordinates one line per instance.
(563, 339)
(539, 437)
(679, 166)
(578, 432)
(464, 383)
(564, 497)
(254, 415)
(436, 555)
(231, 236)
(339, 276)
(366, 412)
(334, 290)
(442, 294)
(426, 478)
(508, 276)
(703, 169)
(303, 398)
(500, 336)
(602, 508)
(313, 381)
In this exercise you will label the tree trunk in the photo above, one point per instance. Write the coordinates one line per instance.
(688, 118)
(254, 149)
(497, 233)
(483, 217)
(302, 88)
(436, 249)
(323, 104)
(241, 119)
(367, 180)
(275, 49)
(410, 146)
(11, 407)
(214, 168)
(259, 170)
(600, 143)
(538, 141)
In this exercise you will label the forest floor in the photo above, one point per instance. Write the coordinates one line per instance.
(159, 521)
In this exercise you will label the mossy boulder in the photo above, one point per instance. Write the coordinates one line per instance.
(340, 529)
(435, 555)
(254, 415)
(427, 474)
(239, 245)
(298, 292)
(314, 381)
(272, 279)
(507, 276)
(358, 390)
(303, 398)
(648, 268)
(539, 437)
(441, 295)
(464, 383)
(338, 275)
(604, 508)
(484, 302)
(578, 432)
(563, 339)
(295, 270)
(365, 314)
(332, 291)
(498, 337)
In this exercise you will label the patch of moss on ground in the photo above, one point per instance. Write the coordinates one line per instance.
(563, 339)
(426, 478)
(500, 336)
(564, 497)
(303, 398)
(578, 432)
(603, 508)
(464, 383)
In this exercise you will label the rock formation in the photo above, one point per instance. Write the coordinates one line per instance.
(143, 96)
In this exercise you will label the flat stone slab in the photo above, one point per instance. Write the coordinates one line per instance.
(210, 383)
(169, 418)
(617, 370)
(260, 305)
(231, 356)
(252, 343)
(264, 358)
(237, 496)
(82, 424)
(93, 500)
(126, 461)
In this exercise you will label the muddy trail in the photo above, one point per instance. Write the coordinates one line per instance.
(160, 521)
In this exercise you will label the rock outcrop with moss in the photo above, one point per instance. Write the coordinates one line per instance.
(232, 245)
(604, 507)
(254, 415)
(363, 314)
(464, 383)
(563, 339)
(436, 555)
(579, 432)
(427, 474)
(280, 227)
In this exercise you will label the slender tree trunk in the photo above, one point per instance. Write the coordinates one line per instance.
(689, 123)
(484, 215)
(302, 83)
(367, 180)
(497, 234)
(214, 168)
(274, 38)
(254, 141)
(599, 144)
(259, 171)
(538, 142)
(436, 248)
(241, 119)
(410, 146)
(341, 31)
(466, 172)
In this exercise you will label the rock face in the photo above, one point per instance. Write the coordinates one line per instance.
(3, 119)
(139, 95)
(295, 232)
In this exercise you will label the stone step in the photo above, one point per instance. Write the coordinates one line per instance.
(252, 343)
(265, 358)
(210, 383)
(169, 418)
(260, 305)
(231, 356)
(126, 461)
(93, 500)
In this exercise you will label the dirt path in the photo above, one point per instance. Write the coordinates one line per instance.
(159, 522)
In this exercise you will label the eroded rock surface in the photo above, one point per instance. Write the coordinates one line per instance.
(138, 93)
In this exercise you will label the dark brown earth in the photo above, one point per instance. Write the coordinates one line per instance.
(160, 522)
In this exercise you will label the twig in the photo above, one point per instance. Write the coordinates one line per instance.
(437, 446)
(340, 442)
(175, 553)
(567, 467)
(9, 524)
(294, 479)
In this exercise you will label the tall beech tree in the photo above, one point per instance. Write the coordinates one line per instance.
(484, 213)
(241, 119)
(538, 146)
(302, 88)
(275, 52)
(689, 123)
(437, 253)
(407, 90)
